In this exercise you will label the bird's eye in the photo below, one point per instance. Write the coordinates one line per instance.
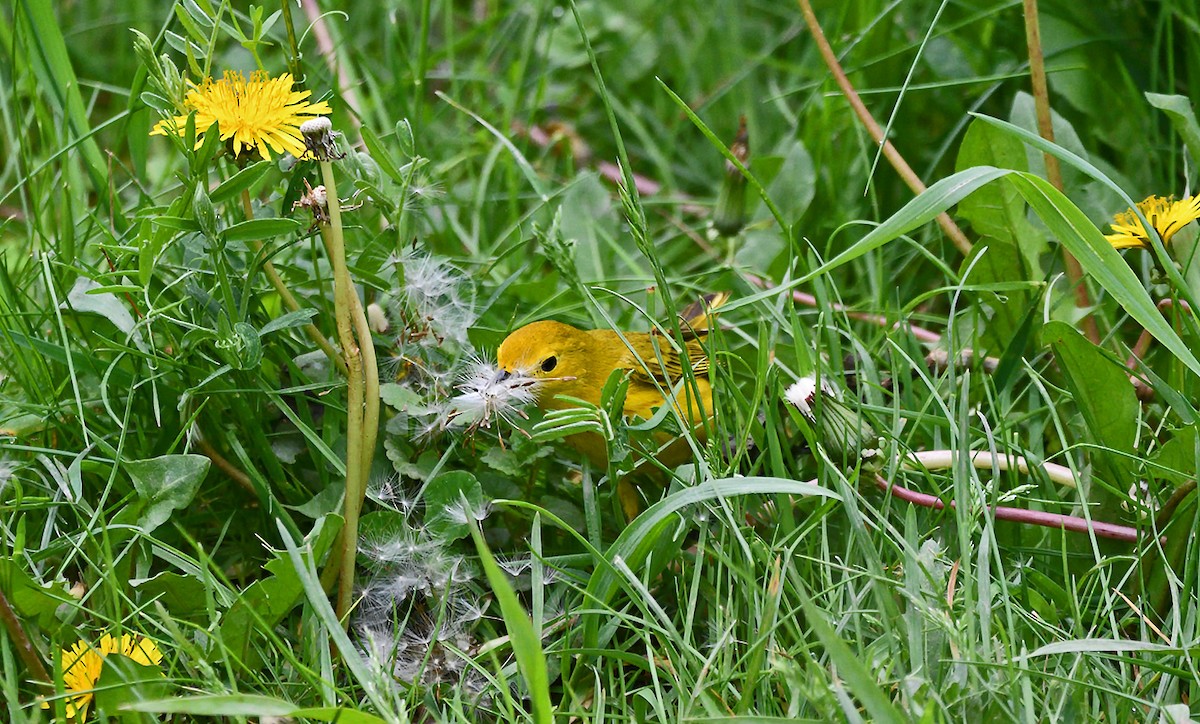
(549, 364)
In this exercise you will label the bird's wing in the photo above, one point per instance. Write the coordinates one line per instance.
(659, 362)
(693, 319)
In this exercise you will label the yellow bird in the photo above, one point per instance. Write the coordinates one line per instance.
(577, 363)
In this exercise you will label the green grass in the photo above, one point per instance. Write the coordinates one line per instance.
(172, 441)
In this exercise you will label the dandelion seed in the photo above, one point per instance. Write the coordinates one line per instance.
(487, 393)
(514, 566)
(438, 296)
(263, 114)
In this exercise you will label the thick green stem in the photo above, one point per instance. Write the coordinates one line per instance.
(362, 390)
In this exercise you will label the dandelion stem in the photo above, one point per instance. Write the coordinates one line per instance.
(1041, 102)
(362, 389)
(285, 294)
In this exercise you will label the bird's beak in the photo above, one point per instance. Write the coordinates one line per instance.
(502, 375)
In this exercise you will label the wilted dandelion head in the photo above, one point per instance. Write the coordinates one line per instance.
(487, 393)
(802, 392)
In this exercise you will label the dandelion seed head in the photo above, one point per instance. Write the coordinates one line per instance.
(437, 295)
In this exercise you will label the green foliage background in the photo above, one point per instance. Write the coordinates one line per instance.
(144, 356)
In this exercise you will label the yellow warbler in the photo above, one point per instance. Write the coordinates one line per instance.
(574, 362)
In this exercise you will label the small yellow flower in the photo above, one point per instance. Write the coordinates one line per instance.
(1166, 215)
(82, 664)
(262, 114)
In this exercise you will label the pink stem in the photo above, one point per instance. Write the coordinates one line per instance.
(1020, 515)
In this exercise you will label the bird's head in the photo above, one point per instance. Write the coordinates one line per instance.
(551, 352)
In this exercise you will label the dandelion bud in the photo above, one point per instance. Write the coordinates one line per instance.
(319, 138)
(730, 216)
(843, 431)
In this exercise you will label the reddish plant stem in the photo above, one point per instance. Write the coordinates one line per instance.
(1142, 346)
(1020, 515)
(1041, 102)
(25, 650)
(893, 156)
(809, 300)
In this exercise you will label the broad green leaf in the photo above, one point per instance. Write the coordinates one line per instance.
(298, 318)
(997, 210)
(240, 181)
(166, 484)
(1183, 119)
(265, 602)
(184, 596)
(30, 599)
(124, 681)
(993, 262)
(1179, 454)
(85, 296)
(1101, 389)
(451, 500)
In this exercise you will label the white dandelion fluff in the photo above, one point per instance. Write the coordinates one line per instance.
(487, 393)
(801, 393)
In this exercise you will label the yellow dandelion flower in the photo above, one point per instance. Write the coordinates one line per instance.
(82, 664)
(1166, 215)
(262, 114)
